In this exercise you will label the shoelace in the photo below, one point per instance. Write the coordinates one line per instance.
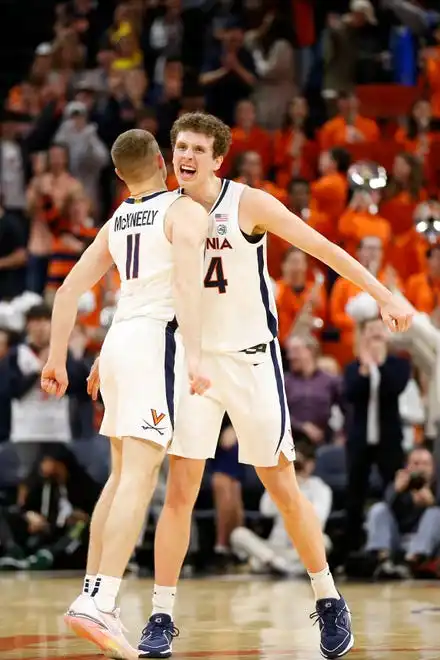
(156, 630)
(327, 617)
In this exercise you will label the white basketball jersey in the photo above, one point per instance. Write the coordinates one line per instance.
(239, 310)
(143, 257)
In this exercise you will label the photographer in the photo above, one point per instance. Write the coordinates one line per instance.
(410, 508)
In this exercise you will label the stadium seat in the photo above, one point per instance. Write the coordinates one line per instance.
(386, 101)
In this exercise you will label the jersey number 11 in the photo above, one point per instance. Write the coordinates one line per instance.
(132, 259)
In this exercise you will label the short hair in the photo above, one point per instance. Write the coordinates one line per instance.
(38, 313)
(298, 181)
(205, 124)
(342, 159)
(134, 154)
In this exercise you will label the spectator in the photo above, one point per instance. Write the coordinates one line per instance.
(74, 234)
(50, 522)
(274, 59)
(46, 195)
(361, 220)
(227, 475)
(294, 147)
(5, 401)
(248, 136)
(228, 73)
(13, 256)
(417, 136)
(423, 289)
(348, 127)
(349, 42)
(164, 40)
(300, 297)
(87, 153)
(370, 255)
(408, 519)
(298, 202)
(36, 418)
(372, 386)
(311, 393)
(401, 197)
(329, 193)
(250, 171)
(13, 166)
(276, 554)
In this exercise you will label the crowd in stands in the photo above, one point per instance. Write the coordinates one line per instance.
(324, 100)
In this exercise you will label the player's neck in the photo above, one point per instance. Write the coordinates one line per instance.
(147, 187)
(207, 193)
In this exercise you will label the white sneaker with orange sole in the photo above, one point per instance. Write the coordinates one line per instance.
(104, 629)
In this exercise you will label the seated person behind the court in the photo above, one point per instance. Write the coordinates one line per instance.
(276, 553)
(410, 507)
(311, 393)
(50, 520)
(227, 475)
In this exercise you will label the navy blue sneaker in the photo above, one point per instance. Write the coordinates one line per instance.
(335, 627)
(157, 637)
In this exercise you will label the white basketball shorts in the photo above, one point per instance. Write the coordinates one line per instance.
(250, 388)
(140, 368)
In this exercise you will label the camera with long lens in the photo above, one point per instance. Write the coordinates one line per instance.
(417, 481)
(427, 220)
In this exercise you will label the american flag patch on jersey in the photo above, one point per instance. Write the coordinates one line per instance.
(221, 217)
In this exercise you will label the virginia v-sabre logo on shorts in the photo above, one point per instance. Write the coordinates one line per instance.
(157, 418)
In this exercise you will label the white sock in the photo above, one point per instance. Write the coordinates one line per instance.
(163, 600)
(89, 583)
(323, 585)
(105, 592)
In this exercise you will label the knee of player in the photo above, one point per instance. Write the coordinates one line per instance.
(284, 492)
(181, 494)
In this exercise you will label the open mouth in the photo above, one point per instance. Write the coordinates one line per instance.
(187, 172)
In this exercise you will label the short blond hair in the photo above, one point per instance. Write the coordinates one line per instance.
(205, 124)
(134, 155)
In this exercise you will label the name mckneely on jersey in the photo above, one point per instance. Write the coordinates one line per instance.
(135, 219)
(144, 257)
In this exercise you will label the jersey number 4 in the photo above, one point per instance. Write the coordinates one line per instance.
(132, 258)
(215, 277)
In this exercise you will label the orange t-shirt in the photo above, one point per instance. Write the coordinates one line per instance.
(290, 302)
(399, 210)
(329, 196)
(334, 132)
(423, 292)
(284, 162)
(277, 246)
(256, 139)
(354, 225)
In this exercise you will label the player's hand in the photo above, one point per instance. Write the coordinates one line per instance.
(54, 379)
(401, 481)
(93, 381)
(198, 383)
(397, 314)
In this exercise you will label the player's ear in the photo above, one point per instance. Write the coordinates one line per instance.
(161, 164)
(118, 174)
(218, 163)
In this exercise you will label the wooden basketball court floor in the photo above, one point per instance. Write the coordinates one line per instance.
(238, 617)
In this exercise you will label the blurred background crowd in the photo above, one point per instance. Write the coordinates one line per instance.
(335, 109)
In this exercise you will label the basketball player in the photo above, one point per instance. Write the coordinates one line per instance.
(158, 254)
(241, 353)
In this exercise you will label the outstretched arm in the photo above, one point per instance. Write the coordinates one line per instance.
(270, 215)
(94, 263)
